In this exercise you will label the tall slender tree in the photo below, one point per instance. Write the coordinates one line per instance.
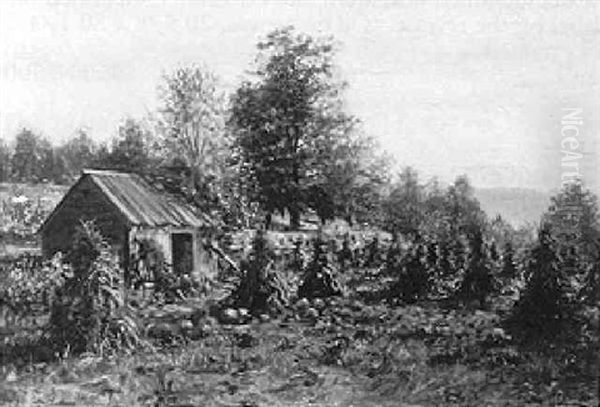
(193, 137)
(78, 153)
(4, 161)
(404, 205)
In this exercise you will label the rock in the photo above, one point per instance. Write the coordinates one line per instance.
(319, 304)
(312, 314)
(210, 321)
(65, 375)
(302, 304)
(11, 377)
(230, 316)
(356, 305)
(244, 314)
(186, 324)
(198, 315)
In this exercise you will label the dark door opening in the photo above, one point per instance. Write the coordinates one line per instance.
(183, 253)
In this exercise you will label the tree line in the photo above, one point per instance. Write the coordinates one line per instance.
(282, 142)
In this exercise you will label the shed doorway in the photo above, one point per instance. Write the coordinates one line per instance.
(182, 247)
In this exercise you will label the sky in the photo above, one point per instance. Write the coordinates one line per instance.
(449, 88)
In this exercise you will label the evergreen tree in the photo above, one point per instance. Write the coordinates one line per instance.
(373, 252)
(345, 255)
(509, 269)
(543, 310)
(413, 282)
(320, 280)
(477, 283)
(262, 288)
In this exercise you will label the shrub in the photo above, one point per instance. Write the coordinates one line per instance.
(30, 281)
(88, 312)
(393, 258)
(145, 263)
(262, 288)
(477, 283)
(413, 280)
(298, 255)
(149, 264)
(509, 269)
(345, 255)
(319, 280)
(373, 253)
(543, 311)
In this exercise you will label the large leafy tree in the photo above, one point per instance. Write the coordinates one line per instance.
(353, 180)
(27, 157)
(78, 153)
(51, 165)
(287, 121)
(404, 205)
(462, 209)
(193, 136)
(131, 149)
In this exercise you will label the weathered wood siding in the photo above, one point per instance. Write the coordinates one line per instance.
(160, 236)
(84, 202)
(204, 264)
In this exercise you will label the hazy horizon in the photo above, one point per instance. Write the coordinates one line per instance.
(447, 88)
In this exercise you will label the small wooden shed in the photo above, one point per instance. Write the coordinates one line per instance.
(127, 209)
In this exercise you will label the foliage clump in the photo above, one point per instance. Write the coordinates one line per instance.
(412, 278)
(88, 313)
(149, 264)
(477, 283)
(28, 281)
(319, 280)
(262, 288)
(542, 311)
(509, 268)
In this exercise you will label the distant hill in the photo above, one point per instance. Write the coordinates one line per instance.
(516, 205)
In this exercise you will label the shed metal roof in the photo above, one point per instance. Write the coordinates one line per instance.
(143, 204)
(139, 202)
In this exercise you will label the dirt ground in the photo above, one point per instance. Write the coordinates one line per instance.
(348, 354)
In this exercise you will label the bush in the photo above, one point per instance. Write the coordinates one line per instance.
(88, 312)
(30, 281)
(149, 264)
(262, 289)
(412, 279)
(374, 253)
(543, 312)
(509, 269)
(319, 280)
(477, 283)
(146, 263)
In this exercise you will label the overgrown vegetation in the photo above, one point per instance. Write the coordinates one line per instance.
(262, 289)
(458, 309)
(89, 312)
